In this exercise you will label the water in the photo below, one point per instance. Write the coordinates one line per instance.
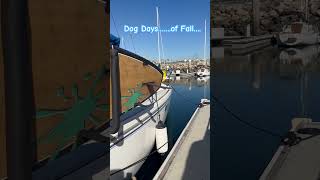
(190, 91)
(268, 89)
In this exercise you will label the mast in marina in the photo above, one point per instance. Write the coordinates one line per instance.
(205, 41)
(307, 11)
(158, 25)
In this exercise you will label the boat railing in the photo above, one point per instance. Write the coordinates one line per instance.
(116, 93)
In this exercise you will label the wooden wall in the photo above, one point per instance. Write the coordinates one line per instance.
(68, 44)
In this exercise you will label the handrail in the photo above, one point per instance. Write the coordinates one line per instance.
(19, 104)
(116, 93)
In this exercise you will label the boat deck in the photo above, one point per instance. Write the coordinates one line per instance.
(190, 156)
(301, 161)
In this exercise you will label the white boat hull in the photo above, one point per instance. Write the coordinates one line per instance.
(177, 73)
(203, 73)
(203, 79)
(304, 55)
(297, 39)
(138, 136)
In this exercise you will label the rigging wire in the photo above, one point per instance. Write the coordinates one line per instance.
(114, 23)
(185, 98)
(133, 44)
(123, 42)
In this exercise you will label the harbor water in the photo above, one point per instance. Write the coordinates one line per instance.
(267, 88)
(188, 92)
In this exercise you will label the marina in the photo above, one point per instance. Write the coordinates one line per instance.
(146, 85)
(266, 72)
(272, 81)
(78, 103)
(87, 95)
(185, 99)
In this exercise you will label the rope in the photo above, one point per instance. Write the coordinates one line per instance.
(185, 98)
(266, 131)
(292, 138)
(245, 122)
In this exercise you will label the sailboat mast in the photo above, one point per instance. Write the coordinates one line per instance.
(205, 42)
(158, 25)
(162, 47)
(122, 41)
(307, 10)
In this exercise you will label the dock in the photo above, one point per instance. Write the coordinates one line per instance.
(190, 156)
(249, 44)
(248, 41)
(301, 159)
(187, 75)
(241, 45)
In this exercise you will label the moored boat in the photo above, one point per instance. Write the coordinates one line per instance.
(203, 72)
(298, 34)
(177, 72)
(137, 137)
(145, 102)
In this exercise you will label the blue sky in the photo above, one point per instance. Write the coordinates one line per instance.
(176, 45)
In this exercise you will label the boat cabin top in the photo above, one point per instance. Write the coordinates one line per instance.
(300, 27)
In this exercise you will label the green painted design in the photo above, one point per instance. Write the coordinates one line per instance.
(135, 96)
(74, 117)
(87, 76)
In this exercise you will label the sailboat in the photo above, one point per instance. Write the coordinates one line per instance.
(299, 33)
(203, 79)
(164, 67)
(144, 107)
(203, 71)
